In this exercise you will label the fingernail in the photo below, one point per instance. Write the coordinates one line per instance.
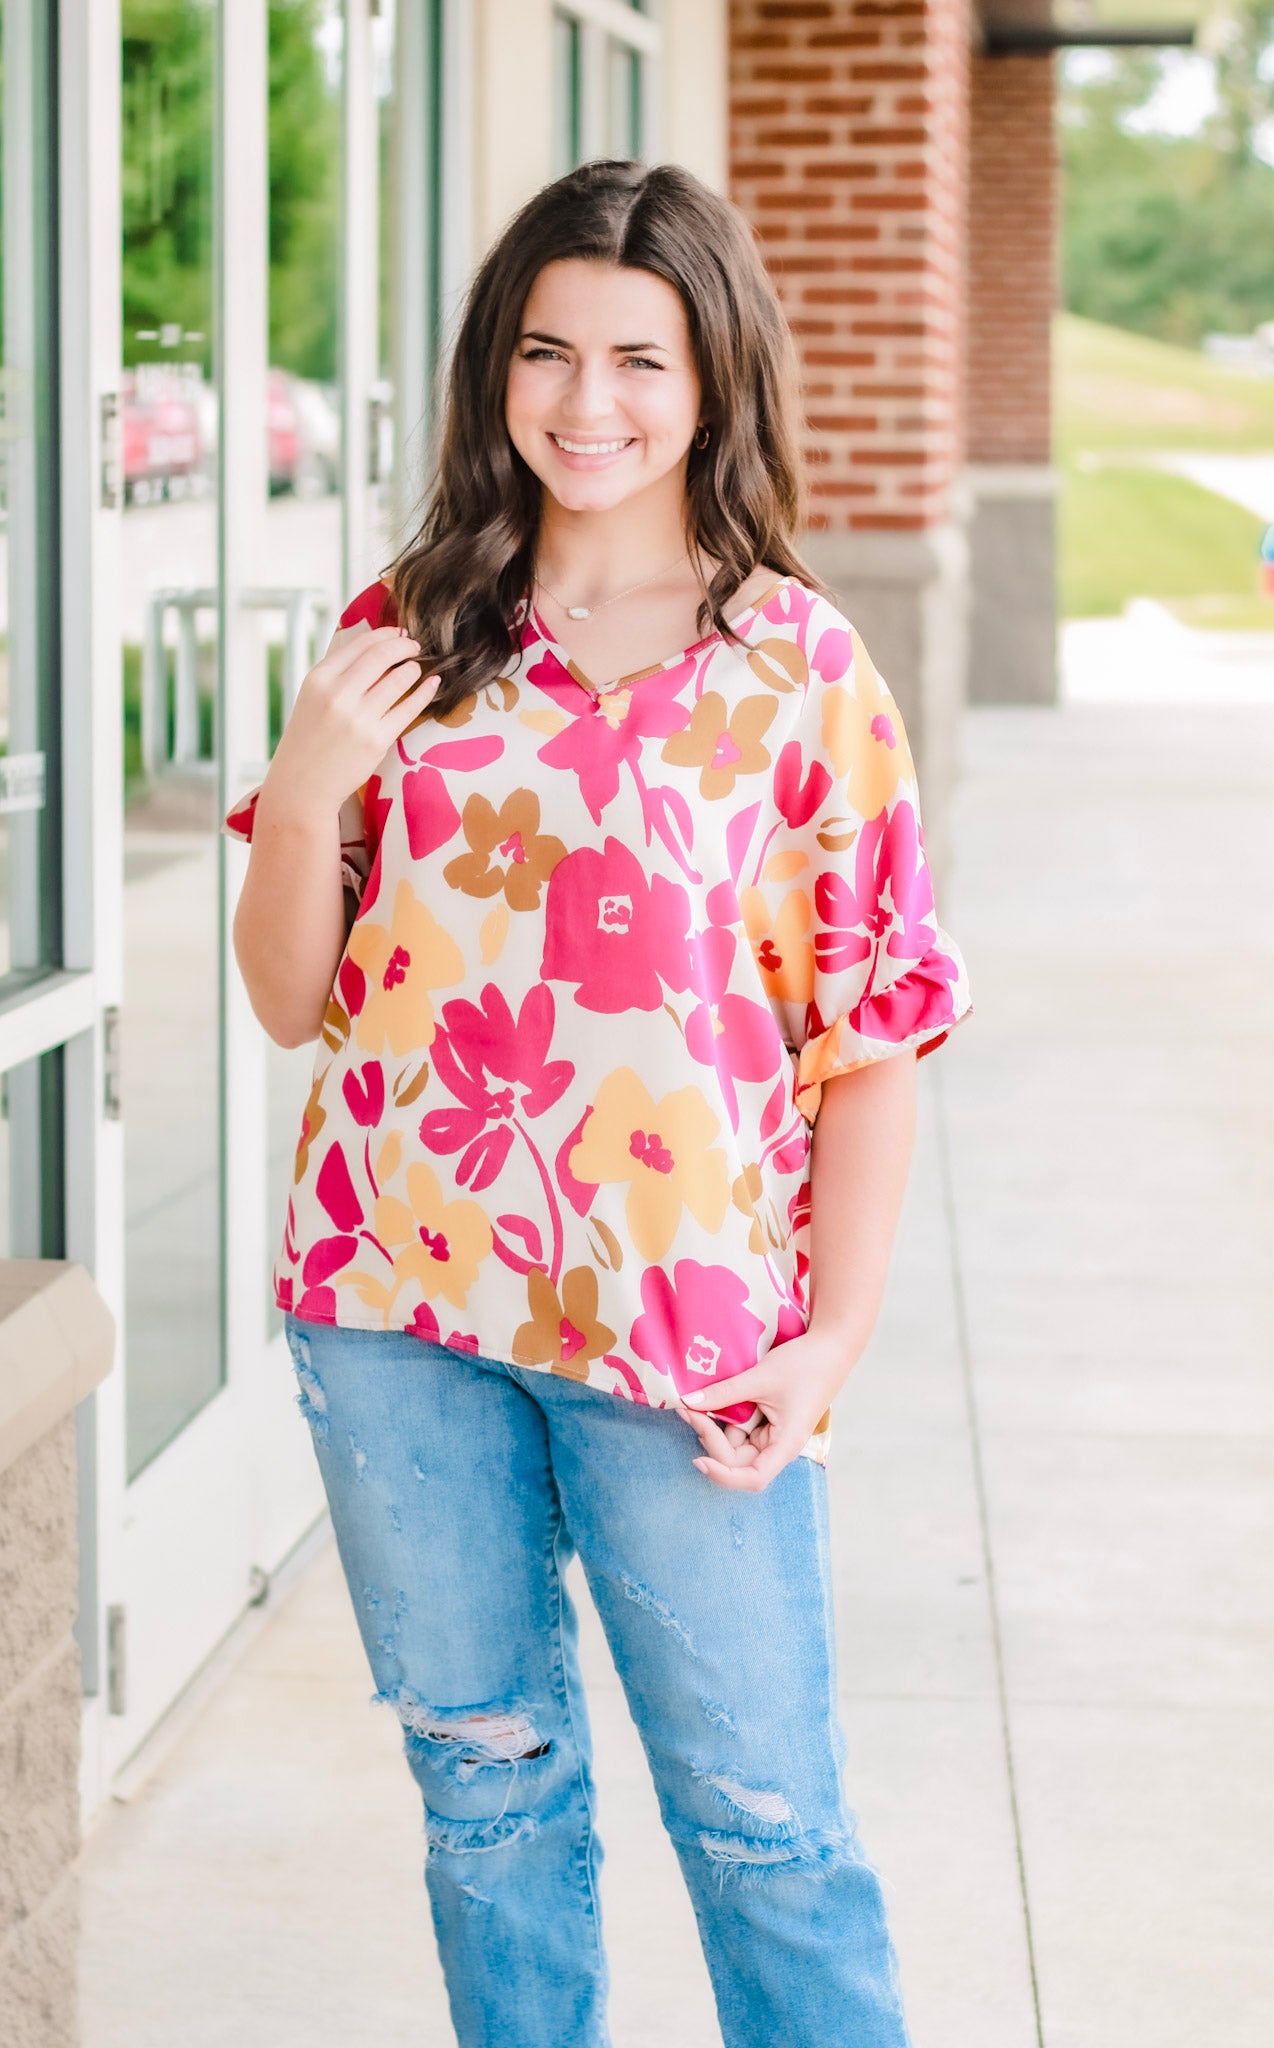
(693, 1400)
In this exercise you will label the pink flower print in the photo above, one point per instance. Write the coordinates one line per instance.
(328, 1256)
(832, 652)
(472, 1048)
(799, 801)
(335, 1191)
(697, 1328)
(594, 747)
(910, 884)
(838, 944)
(351, 985)
(620, 934)
(432, 818)
(739, 1038)
(919, 1000)
(365, 1099)
(882, 728)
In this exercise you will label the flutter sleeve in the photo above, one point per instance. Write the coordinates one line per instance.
(841, 915)
(372, 607)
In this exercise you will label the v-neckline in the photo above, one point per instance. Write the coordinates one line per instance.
(652, 668)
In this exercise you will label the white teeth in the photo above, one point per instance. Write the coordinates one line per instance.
(589, 447)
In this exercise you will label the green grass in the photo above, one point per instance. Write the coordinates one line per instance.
(1115, 390)
(1126, 529)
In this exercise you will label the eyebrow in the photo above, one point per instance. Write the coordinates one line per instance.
(621, 348)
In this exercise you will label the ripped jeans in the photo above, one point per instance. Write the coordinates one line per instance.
(459, 1488)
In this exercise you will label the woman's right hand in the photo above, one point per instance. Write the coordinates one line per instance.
(351, 708)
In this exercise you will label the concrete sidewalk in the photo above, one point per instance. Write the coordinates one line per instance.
(1052, 1508)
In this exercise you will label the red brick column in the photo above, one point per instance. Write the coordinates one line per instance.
(1013, 291)
(848, 149)
(849, 152)
(1012, 257)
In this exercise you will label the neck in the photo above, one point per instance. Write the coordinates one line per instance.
(586, 556)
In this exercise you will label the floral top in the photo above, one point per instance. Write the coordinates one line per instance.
(608, 946)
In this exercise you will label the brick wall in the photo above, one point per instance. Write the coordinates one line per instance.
(849, 151)
(1012, 257)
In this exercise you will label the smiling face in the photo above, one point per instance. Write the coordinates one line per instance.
(602, 399)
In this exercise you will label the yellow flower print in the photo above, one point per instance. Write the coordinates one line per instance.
(662, 1150)
(438, 1244)
(783, 947)
(402, 962)
(864, 736)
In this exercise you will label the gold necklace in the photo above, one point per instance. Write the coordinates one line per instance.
(585, 611)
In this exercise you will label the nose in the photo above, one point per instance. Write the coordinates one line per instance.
(588, 403)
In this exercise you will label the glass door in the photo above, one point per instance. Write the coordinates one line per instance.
(231, 138)
(260, 230)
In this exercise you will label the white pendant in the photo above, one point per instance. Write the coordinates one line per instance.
(577, 611)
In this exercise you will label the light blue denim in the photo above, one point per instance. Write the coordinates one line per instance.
(460, 1487)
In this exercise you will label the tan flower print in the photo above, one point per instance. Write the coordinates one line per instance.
(564, 1332)
(721, 747)
(508, 853)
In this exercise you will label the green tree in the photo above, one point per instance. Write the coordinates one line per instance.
(1169, 236)
(166, 172)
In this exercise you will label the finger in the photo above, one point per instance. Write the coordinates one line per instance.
(385, 692)
(413, 706)
(362, 661)
(741, 1386)
(711, 1436)
(752, 1478)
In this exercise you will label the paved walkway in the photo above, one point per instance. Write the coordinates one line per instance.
(1052, 1508)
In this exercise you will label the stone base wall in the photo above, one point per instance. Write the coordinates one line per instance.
(39, 1744)
(57, 1343)
(1013, 623)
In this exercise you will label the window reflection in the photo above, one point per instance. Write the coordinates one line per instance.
(170, 1080)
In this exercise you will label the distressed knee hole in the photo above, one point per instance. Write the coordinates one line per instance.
(477, 1837)
(643, 1596)
(469, 1740)
(751, 1860)
(762, 1805)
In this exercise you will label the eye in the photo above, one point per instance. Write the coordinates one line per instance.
(646, 361)
(532, 355)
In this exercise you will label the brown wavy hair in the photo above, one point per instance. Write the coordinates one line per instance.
(458, 581)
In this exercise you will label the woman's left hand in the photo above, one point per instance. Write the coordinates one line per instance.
(794, 1385)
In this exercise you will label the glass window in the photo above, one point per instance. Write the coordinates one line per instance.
(623, 110)
(170, 1032)
(30, 823)
(566, 94)
(31, 1155)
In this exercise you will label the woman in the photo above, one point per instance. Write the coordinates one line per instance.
(627, 922)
